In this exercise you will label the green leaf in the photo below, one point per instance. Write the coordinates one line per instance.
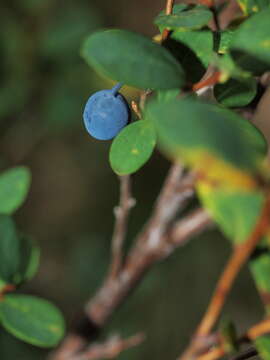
(29, 260)
(252, 6)
(200, 42)
(236, 93)
(236, 212)
(9, 249)
(132, 147)
(260, 268)
(165, 95)
(132, 59)
(14, 186)
(263, 346)
(190, 129)
(250, 47)
(189, 61)
(31, 319)
(195, 18)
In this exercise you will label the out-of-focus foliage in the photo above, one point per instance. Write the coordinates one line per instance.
(40, 65)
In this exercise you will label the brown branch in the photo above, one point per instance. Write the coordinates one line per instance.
(168, 11)
(112, 348)
(262, 328)
(259, 329)
(121, 215)
(240, 255)
(245, 355)
(111, 294)
(156, 241)
(211, 80)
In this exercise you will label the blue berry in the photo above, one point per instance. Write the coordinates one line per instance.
(106, 113)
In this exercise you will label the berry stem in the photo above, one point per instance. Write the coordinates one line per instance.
(116, 88)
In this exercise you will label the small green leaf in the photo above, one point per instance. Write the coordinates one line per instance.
(200, 42)
(14, 186)
(9, 249)
(252, 6)
(263, 346)
(132, 147)
(31, 319)
(250, 47)
(192, 19)
(132, 59)
(236, 93)
(260, 267)
(29, 260)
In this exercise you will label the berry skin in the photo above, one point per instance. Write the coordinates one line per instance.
(106, 113)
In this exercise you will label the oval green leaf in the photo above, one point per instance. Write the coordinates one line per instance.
(132, 59)
(14, 186)
(187, 127)
(31, 319)
(9, 249)
(250, 46)
(132, 147)
(200, 42)
(29, 260)
(236, 93)
(185, 20)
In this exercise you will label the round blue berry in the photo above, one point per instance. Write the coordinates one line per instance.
(106, 113)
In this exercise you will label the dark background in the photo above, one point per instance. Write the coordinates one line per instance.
(44, 85)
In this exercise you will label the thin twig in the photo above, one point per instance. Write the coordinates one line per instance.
(121, 213)
(153, 244)
(168, 11)
(210, 81)
(259, 329)
(215, 18)
(245, 355)
(240, 255)
(253, 333)
(111, 294)
(112, 348)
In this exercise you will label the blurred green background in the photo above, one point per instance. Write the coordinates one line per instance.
(44, 85)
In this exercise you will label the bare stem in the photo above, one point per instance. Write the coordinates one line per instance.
(156, 241)
(110, 349)
(168, 11)
(253, 333)
(121, 219)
